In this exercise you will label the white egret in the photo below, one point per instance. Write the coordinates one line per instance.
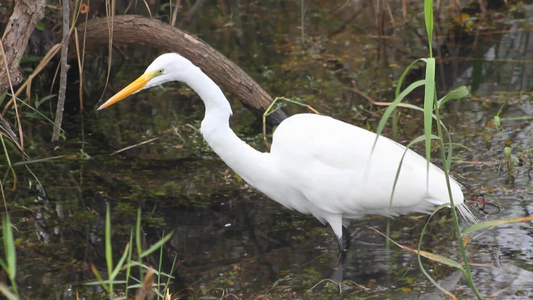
(317, 165)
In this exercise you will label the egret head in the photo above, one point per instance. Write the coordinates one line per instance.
(165, 68)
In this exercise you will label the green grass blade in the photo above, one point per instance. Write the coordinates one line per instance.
(128, 266)
(109, 248)
(6, 292)
(108, 245)
(414, 107)
(36, 111)
(159, 267)
(10, 251)
(447, 261)
(458, 93)
(8, 160)
(3, 264)
(120, 263)
(493, 223)
(138, 241)
(429, 97)
(136, 264)
(428, 14)
(169, 277)
(3, 98)
(519, 118)
(99, 278)
(438, 258)
(421, 138)
(105, 282)
(397, 176)
(157, 245)
(405, 72)
(392, 107)
(136, 286)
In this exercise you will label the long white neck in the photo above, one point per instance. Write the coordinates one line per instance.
(239, 156)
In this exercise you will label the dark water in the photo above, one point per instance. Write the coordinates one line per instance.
(230, 240)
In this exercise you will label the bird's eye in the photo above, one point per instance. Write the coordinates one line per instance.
(160, 71)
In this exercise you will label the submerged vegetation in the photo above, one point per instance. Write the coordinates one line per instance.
(228, 240)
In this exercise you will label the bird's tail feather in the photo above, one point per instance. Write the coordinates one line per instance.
(466, 213)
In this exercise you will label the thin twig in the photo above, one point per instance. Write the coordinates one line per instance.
(3, 195)
(136, 145)
(21, 136)
(63, 74)
(110, 15)
(175, 13)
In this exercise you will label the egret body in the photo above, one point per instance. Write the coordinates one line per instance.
(316, 165)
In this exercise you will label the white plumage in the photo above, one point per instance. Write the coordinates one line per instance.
(317, 165)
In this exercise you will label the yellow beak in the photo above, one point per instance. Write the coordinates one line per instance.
(133, 87)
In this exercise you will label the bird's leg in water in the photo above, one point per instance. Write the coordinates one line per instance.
(347, 234)
(343, 250)
(340, 259)
(340, 242)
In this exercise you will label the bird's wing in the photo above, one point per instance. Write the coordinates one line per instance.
(333, 164)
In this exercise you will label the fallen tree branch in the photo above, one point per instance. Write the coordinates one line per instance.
(138, 30)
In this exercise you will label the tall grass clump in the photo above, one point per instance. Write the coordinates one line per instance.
(432, 118)
(432, 105)
(431, 113)
(122, 275)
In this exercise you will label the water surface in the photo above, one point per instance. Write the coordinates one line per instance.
(231, 240)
